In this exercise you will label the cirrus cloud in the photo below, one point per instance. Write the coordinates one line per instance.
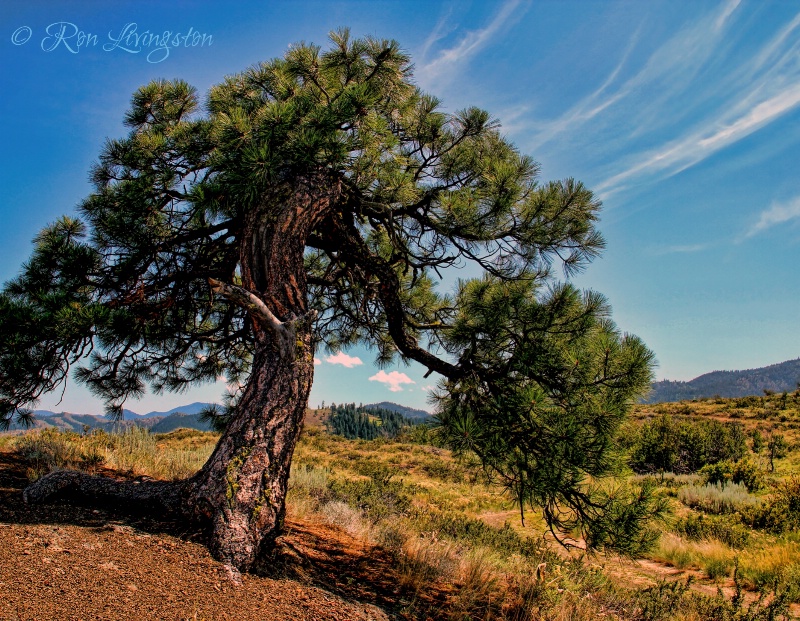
(393, 380)
(778, 213)
(345, 360)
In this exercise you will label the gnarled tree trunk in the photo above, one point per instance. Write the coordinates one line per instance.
(241, 490)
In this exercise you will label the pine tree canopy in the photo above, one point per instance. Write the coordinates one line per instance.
(325, 191)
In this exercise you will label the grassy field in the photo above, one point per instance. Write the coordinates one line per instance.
(443, 524)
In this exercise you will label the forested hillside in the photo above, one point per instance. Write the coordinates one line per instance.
(782, 377)
(366, 423)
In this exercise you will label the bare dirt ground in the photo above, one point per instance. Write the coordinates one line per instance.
(74, 563)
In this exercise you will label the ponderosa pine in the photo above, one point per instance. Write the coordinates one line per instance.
(315, 201)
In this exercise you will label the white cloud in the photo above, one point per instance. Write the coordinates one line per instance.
(393, 380)
(317, 361)
(345, 360)
(430, 72)
(681, 249)
(778, 213)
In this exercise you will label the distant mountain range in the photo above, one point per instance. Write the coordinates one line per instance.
(163, 422)
(777, 378)
(192, 408)
(157, 422)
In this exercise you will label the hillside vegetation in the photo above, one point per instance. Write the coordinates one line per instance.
(778, 378)
(727, 467)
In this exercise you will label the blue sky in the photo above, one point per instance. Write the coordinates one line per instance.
(683, 116)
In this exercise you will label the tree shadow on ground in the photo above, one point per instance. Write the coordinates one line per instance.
(311, 553)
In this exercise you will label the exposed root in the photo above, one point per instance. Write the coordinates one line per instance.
(232, 574)
(144, 495)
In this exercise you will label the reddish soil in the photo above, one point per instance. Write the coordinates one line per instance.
(68, 562)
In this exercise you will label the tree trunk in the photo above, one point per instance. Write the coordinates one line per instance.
(242, 487)
(241, 490)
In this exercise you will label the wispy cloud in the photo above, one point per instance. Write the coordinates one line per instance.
(317, 361)
(665, 106)
(393, 380)
(345, 360)
(448, 61)
(729, 104)
(778, 213)
(681, 249)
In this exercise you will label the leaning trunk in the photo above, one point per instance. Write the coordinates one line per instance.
(242, 488)
(241, 491)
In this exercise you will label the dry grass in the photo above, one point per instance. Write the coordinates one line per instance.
(432, 512)
(137, 452)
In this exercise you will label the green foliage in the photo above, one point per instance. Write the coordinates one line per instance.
(757, 441)
(558, 397)
(777, 447)
(727, 529)
(781, 513)
(326, 181)
(668, 444)
(366, 424)
(745, 471)
(378, 496)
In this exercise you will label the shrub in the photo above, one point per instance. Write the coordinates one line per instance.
(781, 513)
(725, 529)
(718, 568)
(377, 498)
(667, 444)
(744, 472)
(717, 498)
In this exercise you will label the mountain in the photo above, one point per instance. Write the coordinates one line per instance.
(179, 420)
(67, 422)
(411, 413)
(782, 377)
(192, 408)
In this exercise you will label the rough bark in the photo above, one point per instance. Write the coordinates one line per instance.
(240, 492)
(145, 495)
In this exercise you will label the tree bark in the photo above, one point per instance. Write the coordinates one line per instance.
(241, 491)
(242, 487)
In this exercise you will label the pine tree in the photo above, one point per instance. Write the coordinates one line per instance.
(314, 201)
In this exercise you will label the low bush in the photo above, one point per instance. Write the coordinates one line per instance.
(745, 471)
(781, 513)
(725, 529)
(717, 498)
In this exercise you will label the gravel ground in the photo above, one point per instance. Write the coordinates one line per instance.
(65, 562)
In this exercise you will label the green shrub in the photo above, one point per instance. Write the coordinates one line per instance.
(717, 498)
(721, 472)
(744, 472)
(725, 529)
(378, 498)
(781, 513)
(667, 444)
(718, 568)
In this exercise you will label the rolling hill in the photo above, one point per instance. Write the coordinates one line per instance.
(782, 377)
